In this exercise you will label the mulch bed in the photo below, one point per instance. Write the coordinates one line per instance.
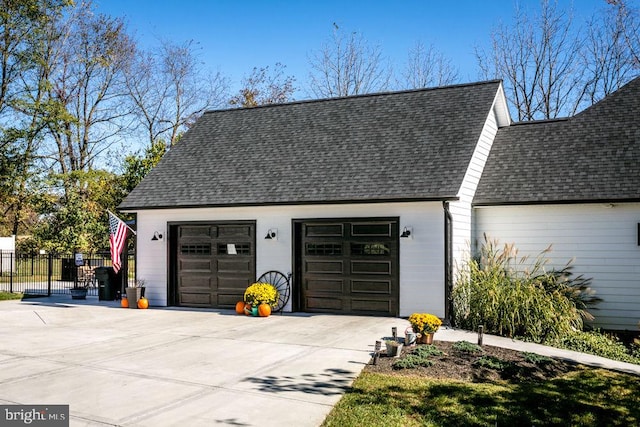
(456, 365)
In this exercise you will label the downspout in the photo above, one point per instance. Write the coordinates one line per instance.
(448, 263)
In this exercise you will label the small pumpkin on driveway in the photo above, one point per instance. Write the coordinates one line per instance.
(143, 303)
(264, 310)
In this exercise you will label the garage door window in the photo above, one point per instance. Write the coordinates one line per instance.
(195, 249)
(382, 249)
(234, 249)
(362, 230)
(324, 249)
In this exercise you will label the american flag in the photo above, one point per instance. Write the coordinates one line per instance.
(117, 239)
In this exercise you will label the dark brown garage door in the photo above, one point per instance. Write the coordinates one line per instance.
(214, 263)
(349, 267)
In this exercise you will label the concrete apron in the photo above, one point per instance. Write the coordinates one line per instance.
(161, 367)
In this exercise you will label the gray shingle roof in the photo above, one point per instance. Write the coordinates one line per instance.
(593, 156)
(412, 145)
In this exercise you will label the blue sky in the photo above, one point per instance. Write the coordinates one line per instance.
(237, 35)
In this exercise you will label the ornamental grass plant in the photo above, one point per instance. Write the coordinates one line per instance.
(515, 297)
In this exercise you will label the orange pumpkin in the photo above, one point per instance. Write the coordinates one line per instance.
(247, 309)
(124, 303)
(264, 310)
(143, 303)
(240, 307)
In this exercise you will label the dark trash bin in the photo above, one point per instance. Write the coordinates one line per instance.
(108, 283)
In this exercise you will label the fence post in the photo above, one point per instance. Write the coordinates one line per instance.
(11, 255)
(49, 273)
(125, 268)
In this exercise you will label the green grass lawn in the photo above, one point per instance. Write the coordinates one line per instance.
(589, 397)
(4, 296)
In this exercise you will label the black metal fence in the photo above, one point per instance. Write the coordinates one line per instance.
(46, 274)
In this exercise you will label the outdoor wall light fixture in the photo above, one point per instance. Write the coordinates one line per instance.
(406, 233)
(157, 236)
(272, 234)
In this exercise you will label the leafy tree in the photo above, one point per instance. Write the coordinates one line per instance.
(25, 51)
(137, 167)
(74, 212)
(263, 87)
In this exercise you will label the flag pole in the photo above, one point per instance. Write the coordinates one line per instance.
(125, 224)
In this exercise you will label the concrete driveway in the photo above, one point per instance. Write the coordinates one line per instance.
(177, 367)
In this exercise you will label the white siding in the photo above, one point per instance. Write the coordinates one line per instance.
(602, 239)
(7, 254)
(421, 257)
(461, 209)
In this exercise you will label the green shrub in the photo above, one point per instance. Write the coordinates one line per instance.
(536, 359)
(491, 362)
(596, 343)
(635, 349)
(427, 351)
(511, 297)
(467, 347)
(412, 361)
(418, 357)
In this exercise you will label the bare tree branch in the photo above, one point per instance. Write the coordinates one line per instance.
(348, 65)
(169, 90)
(426, 67)
(552, 68)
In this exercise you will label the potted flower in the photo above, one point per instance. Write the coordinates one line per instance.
(260, 297)
(425, 325)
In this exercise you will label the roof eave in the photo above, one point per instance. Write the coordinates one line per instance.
(291, 203)
(556, 202)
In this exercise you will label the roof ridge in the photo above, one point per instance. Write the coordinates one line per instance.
(363, 95)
